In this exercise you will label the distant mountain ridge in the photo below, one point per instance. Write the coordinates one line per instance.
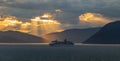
(74, 35)
(109, 34)
(18, 37)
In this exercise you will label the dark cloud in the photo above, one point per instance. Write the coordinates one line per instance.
(36, 4)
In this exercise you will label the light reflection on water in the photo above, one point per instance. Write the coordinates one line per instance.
(24, 43)
(76, 44)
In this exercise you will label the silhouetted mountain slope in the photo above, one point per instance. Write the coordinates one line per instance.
(18, 37)
(109, 34)
(75, 35)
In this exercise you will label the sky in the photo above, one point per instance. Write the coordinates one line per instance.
(66, 11)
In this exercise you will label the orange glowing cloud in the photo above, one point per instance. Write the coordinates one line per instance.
(37, 26)
(46, 24)
(94, 19)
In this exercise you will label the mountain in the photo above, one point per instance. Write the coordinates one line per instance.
(109, 34)
(74, 35)
(18, 37)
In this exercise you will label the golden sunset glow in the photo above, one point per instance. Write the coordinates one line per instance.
(25, 27)
(37, 26)
(94, 19)
(9, 23)
(47, 15)
(46, 23)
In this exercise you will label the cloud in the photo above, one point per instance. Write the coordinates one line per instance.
(71, 9)
(94, 19)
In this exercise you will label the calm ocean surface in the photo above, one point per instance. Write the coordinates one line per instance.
(44, 52)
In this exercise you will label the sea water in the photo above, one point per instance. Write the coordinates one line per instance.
(44, 52)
